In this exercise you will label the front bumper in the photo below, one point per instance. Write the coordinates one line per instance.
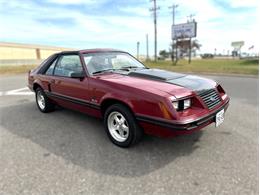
(185, 126)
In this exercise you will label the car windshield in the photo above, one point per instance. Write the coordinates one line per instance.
(110, 61)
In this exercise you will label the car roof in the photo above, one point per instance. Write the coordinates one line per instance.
(85, 51)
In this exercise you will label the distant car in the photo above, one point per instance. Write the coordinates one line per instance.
(207, 55)
(244, 55)
(131, 98)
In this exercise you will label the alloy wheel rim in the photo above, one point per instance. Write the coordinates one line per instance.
(118, 126)
(40, 100)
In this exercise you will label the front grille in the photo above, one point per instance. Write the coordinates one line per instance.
(211, 98)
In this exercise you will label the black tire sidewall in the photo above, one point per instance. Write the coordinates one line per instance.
(48, 105)
(130, 121)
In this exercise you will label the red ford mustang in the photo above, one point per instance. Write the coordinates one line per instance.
(131, 98)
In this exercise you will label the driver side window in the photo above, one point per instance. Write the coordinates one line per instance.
(68, 64)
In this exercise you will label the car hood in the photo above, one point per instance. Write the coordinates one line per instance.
(161, 81)
(191, 82)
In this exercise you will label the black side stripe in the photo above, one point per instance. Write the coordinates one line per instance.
(160, 123)
(73, 100)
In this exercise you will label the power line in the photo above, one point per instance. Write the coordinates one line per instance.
(154, 10)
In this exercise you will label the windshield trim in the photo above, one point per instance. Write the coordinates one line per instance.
(112, 52)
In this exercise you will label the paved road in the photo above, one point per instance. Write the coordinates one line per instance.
(65, 152)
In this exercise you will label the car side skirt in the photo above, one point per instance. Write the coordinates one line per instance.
(73, 100)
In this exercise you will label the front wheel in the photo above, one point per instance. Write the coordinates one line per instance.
(43, 102)
(121, 126)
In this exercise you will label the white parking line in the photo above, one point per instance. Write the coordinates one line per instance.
(17, 92)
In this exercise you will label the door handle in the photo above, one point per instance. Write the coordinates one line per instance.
(52, 81)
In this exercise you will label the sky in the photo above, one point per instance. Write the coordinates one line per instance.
(120, 24)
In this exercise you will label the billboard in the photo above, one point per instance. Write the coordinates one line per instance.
(186, 30)
(237, 44)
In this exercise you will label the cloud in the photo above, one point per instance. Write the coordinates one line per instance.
(219, 25)
(247, 3)
(40, 25)
(73, 24)
(70, 2)
(140, 11)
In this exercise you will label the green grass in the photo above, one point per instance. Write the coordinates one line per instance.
(226, 66)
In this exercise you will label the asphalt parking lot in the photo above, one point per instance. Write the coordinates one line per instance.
(66, 152)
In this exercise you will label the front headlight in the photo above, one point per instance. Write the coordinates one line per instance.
(186, 104)
(181, 104)
(175, 105)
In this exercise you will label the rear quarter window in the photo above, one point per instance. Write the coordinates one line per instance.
(51, 68)
(46, 63)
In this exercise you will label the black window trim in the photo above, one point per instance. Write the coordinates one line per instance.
(52, 74)
(47, 64)
(67, 54)
(57, 57)
(98, 52)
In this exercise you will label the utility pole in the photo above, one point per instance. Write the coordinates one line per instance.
(190, 52)
(190, 20)
(137, 44)
(154, 10)
(147, 47)
(173, 7)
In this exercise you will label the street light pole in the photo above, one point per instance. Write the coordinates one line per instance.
(147, 47)
(189, 17)
(190, 20)
(173, 7)
(137, 44)
(154, 10)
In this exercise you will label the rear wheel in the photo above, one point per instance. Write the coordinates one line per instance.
(43, 102)
(121, 126)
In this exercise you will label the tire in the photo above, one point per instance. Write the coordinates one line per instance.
(121, 126)
(43, 102)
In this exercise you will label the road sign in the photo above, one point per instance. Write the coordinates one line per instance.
(237, 44)
(186, 30)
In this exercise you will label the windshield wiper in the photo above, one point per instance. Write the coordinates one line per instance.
(105, 70)
(116, 69)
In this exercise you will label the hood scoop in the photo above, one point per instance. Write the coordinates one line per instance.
(194, 83)
(191, 82)
(156, 74)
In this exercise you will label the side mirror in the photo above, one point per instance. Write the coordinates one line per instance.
(77, 75)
